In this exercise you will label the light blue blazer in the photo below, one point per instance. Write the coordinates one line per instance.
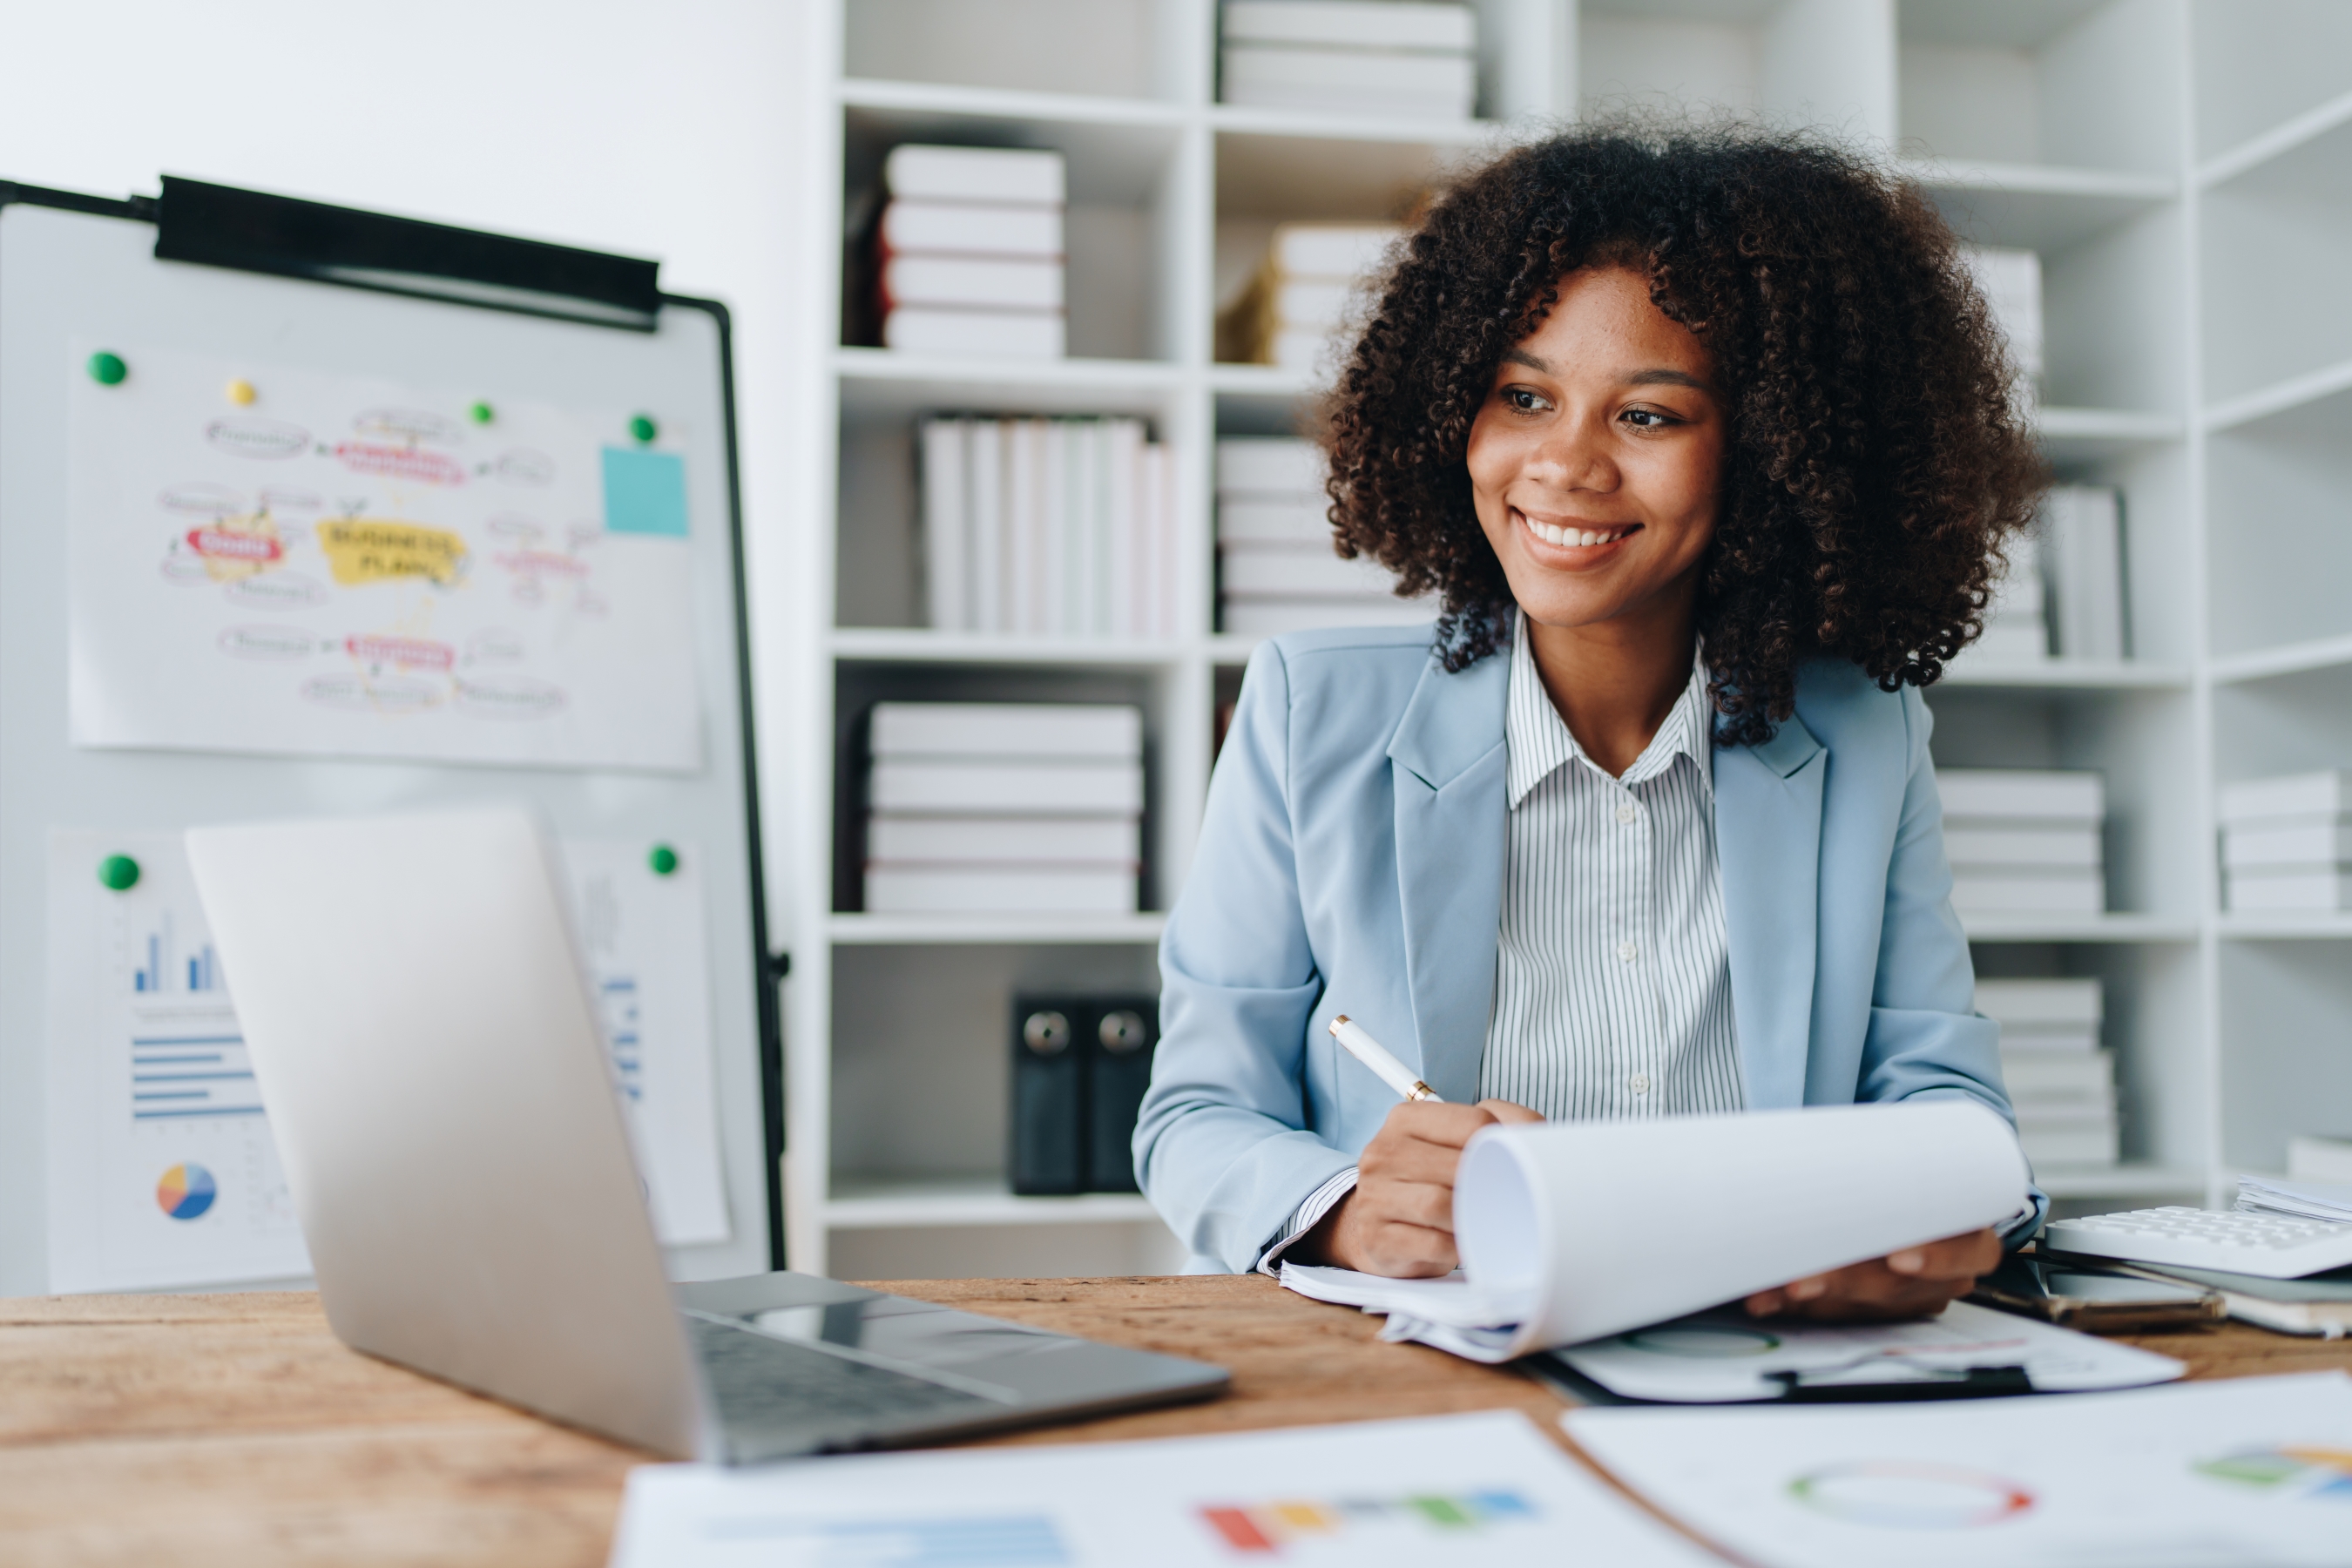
(1352, 861)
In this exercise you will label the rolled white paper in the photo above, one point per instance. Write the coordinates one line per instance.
(1598, 1227)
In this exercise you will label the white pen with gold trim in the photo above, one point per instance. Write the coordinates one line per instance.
(1375, 1055)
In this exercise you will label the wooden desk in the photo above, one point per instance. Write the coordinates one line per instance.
(234, 1429)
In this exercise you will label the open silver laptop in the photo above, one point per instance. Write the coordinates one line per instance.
(428, 1049)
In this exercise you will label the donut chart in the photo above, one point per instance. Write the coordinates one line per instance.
(186, 1191)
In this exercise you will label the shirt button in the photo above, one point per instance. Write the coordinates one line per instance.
(1625, 951)
(1626, 814)
(1639, 1083)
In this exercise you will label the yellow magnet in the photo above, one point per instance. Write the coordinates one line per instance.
(241, 393)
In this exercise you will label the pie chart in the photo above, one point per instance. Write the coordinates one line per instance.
(186, 1191)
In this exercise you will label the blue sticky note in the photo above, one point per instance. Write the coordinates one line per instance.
(645, 492)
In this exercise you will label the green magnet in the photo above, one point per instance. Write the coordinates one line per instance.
(663, 859)
(481, 414)
(643, 427)
(107, 370)
(120, 872)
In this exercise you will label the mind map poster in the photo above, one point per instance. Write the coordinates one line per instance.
(274, 559)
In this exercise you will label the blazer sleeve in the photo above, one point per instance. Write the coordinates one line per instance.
(1925, 1037)
(1221, 1144)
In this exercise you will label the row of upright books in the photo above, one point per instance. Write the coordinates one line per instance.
(2024, 841)
(1003, 808)
(1049, 528)
(2286, 844)
(2061, 597)
(1276, 569)
(2061, 1082)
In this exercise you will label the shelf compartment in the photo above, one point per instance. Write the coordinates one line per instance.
(975, 931)
(899, 1203)
(2035, 207)
(2252, 81)
(2286, 928)
(2288, 659)
(2278, 502)
(2313, 125)
(2323, 394)
(2274, 232)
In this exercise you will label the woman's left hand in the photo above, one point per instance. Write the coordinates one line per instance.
(1915, 1282)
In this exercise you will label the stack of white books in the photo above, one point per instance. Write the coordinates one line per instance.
(1292, 313)
(2010, 283)
(1004, 808)
(1276, 570)
(2286, 843)
(1049, 528)
(1394, 59)
(2024, 842)
(2061, 1083)
(969, 257)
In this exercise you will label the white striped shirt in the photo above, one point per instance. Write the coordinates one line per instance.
(1612, 968)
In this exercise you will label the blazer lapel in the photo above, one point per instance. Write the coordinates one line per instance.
(1768, 835)
(1447, 762)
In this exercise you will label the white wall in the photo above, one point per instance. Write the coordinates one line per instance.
(673, 131)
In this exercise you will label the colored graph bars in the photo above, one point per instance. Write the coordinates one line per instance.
(1263, 1528)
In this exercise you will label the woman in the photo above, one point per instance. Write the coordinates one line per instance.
(1710, 449)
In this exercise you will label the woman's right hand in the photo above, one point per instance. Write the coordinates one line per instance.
(1398, 1221)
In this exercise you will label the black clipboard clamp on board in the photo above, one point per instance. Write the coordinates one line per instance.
(206, 224)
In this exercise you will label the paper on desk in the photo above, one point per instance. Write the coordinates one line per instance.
(1477, 1489)
(1725, 1357)
(2251, 1472)
(1571, 1231)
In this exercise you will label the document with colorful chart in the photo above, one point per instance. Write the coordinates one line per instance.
(2226, 1474)
(1428, 1493)
(270, 559)
(162, 1169)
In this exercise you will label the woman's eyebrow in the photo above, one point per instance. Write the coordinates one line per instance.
(1660, 376)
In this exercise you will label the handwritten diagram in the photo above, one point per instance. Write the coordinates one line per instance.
(347, 567)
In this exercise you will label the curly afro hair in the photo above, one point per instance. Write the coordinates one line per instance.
(1876, 459)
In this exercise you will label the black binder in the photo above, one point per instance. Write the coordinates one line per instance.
(1080, 1065)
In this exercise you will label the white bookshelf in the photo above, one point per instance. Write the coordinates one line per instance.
(2183, 168)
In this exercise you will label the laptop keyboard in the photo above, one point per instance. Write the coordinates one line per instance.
(776, 1398)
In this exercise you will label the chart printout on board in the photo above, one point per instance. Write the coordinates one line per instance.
(161, 1170)
(2233, 1473)
(341, 566)
(1433, 1492)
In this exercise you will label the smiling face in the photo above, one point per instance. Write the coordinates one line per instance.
(1597, 458)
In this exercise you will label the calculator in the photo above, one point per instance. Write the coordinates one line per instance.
(2275, 1247)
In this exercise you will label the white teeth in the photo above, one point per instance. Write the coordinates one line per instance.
(1588, 537)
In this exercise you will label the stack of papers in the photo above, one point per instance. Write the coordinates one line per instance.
(1729, 1358)
(1448, 1489)
(1571, 1231)
(2303, 1200)
(2228, 1474)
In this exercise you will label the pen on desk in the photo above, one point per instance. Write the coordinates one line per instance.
(1375, 1055)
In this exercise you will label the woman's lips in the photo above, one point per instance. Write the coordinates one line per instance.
(1565, 537)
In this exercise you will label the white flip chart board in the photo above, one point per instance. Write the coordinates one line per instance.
(309, 512)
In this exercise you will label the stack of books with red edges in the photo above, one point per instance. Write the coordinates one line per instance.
(1004, 808)
(968, 255)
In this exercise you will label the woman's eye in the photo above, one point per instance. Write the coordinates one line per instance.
(1523, 399)
(1645, 418)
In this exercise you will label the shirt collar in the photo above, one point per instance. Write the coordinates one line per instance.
(1539, 742)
